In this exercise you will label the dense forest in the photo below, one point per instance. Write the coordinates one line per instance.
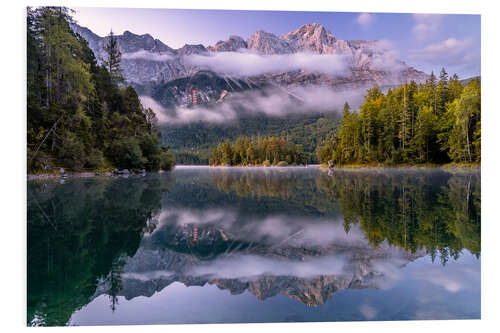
(193, 143)
(80, 115)
(258, 151)
(433, 123)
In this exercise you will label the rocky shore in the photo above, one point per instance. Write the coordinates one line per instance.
(62, 174)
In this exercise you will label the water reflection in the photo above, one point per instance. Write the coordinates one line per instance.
(297, 232)
(79, 235)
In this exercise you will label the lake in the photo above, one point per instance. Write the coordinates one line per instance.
(240, 245)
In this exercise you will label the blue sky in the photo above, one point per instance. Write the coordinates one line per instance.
(427, 42)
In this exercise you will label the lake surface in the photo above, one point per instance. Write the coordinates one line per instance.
(238, 245)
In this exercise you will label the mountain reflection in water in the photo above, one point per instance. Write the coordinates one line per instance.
(297, 233)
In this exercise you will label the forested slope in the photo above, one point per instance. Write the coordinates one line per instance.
(79, 115)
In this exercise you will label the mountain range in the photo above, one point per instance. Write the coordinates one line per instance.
(290, 85)
(146, 61)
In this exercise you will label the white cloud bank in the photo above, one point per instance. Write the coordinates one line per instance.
(250, 64)
(386, 57)
(146, 55)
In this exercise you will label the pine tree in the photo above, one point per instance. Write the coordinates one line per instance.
(113, 60)
(442, 92)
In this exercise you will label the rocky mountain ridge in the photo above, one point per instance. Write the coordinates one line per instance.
(147, 60)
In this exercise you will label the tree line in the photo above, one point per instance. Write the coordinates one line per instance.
(80, 115)
(264, 151)
(436, 122)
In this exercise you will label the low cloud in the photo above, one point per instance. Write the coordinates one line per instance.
(449, 52)
(250, 64)
(365, 19)
(386, 57)
(157, 108)
(146, 55)
(426, 25)
(368, 311)
(276, 102)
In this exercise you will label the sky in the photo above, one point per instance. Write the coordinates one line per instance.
(427, 42)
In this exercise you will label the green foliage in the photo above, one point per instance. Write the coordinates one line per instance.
(466, 125)
(126, 154)
(151, 150)
(167, 161)
(72, 151)
(414, 124)
(193, 143)
(77, 112)
(258, 151)
(95, 159)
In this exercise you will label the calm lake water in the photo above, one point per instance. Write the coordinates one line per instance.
(237, 245)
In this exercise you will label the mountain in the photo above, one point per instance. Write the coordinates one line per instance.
(232, 44)
(315, 38)
(147, 60)
(267, 43)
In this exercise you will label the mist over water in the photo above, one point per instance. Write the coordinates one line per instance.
(222, 245)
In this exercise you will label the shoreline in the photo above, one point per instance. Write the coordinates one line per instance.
(344, 167)
(446, 167)
(84, 174)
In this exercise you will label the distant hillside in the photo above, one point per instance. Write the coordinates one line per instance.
(465, 81)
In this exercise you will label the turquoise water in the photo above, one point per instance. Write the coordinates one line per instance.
(235, 245)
